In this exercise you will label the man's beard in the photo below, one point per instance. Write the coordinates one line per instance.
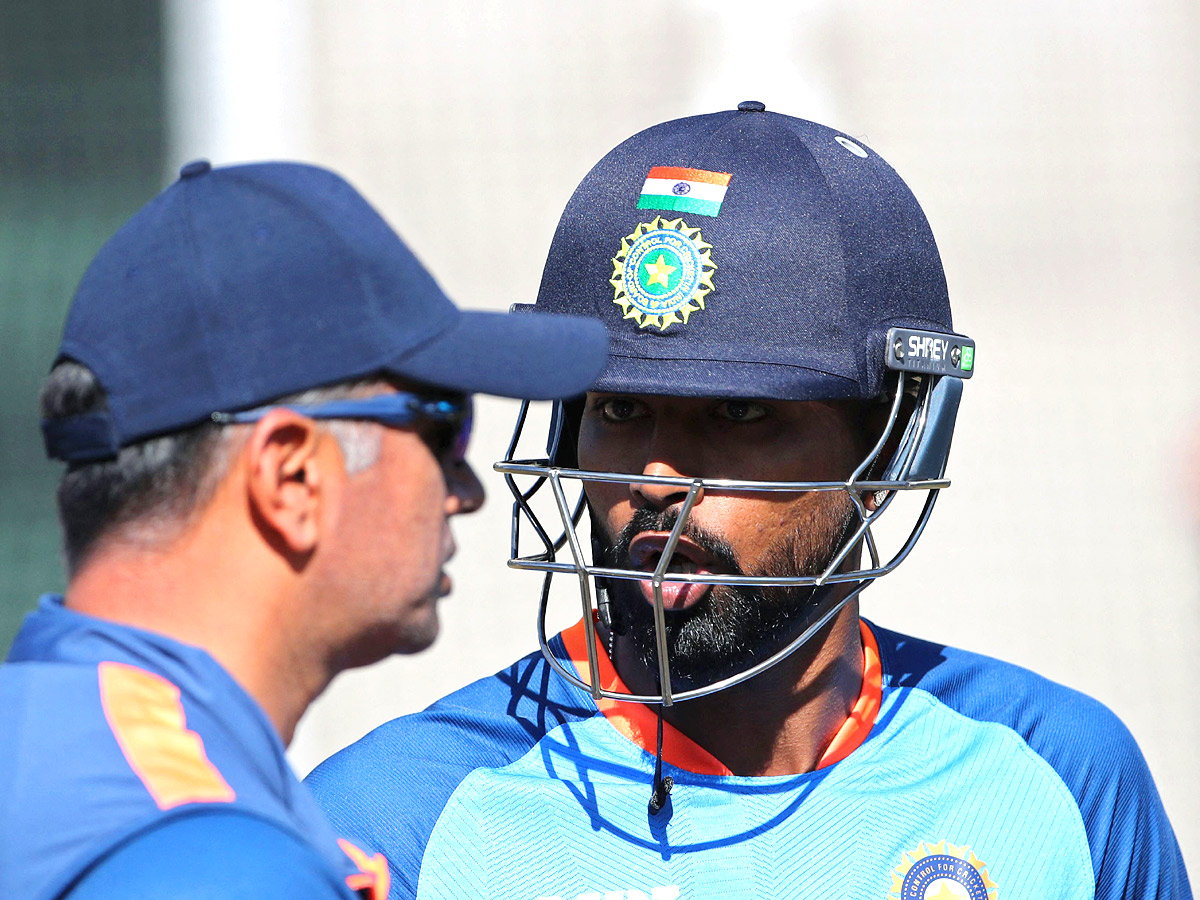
(732, 627)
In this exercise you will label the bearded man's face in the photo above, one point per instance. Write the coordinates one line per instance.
(714, 631)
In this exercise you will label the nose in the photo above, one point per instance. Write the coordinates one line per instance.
(656, 495)
(464, 490)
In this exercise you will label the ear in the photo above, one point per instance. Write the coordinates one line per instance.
(870, 420)
(873, 419)
(287, 480)
(872, 500)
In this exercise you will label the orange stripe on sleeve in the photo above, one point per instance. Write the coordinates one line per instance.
(373, 875)
(147, 719)
(678, 174)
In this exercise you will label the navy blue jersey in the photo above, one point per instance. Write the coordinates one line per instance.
(957, 776)
(124, 753)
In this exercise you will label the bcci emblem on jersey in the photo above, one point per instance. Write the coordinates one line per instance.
(662, 273)
(941, 872)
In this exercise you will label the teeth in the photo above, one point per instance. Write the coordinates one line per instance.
(650, 563)
(678, 564)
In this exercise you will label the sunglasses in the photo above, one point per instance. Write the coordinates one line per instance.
(450, 417)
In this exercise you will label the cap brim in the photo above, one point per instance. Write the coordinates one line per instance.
(530, 356)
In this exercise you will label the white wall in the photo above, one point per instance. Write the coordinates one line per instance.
(1052, 144)
(238, 80)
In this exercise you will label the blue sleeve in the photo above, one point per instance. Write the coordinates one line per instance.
(1133, 849)
(212, 855)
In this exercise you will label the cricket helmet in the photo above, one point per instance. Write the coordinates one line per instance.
(746, 254)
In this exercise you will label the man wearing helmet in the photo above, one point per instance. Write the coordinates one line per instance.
(783, 370)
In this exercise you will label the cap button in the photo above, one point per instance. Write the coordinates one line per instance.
(194, 168)
(752, 106)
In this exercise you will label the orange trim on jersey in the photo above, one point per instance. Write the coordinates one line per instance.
(372, 876)
(639, 722)
(147, 719)
(862, 717)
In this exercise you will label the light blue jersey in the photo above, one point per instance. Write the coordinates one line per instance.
(975, 779)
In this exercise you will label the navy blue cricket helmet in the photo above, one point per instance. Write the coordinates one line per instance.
(748, 254)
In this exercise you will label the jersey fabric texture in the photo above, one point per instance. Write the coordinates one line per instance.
(124, 752)
(220, 853)
(973, 778)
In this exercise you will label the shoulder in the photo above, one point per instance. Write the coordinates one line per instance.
(209, 854)
(387, 790)
(489, 723)
(990, 690)
(1083, 743)
(1066, 728)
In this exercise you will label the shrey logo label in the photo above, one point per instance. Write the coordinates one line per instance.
(913, 350)
(928, 347)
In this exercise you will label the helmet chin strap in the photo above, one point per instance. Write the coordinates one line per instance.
(614, 624)
(610, 616)
(660, 790)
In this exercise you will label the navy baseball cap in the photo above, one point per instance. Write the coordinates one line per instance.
(746, 254)
(239, 285)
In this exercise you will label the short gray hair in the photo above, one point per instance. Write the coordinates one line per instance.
(153, 487)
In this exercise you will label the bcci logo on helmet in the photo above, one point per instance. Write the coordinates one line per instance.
(662, 273)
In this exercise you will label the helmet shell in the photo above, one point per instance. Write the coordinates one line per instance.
(814, 248)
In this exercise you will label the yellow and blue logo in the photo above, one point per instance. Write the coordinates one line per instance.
(662, 273)
(942, 872)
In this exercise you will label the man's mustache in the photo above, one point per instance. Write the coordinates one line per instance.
(664, 521)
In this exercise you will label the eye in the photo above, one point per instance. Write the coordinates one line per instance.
(741, 410)
(619, 409)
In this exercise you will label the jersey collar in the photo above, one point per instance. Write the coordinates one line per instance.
(639, 722)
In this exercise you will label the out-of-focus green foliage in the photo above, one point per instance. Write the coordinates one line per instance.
(81, 148)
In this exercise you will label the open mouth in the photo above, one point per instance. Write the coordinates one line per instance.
(645, 554)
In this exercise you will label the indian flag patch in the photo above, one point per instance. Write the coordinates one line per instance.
(684, 190)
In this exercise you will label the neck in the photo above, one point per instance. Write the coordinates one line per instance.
(781, 721)
(213, 590)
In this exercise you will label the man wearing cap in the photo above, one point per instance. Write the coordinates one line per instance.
(263, 401)
(783, 371)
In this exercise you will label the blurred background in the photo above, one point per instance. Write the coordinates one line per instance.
(1052, 144)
